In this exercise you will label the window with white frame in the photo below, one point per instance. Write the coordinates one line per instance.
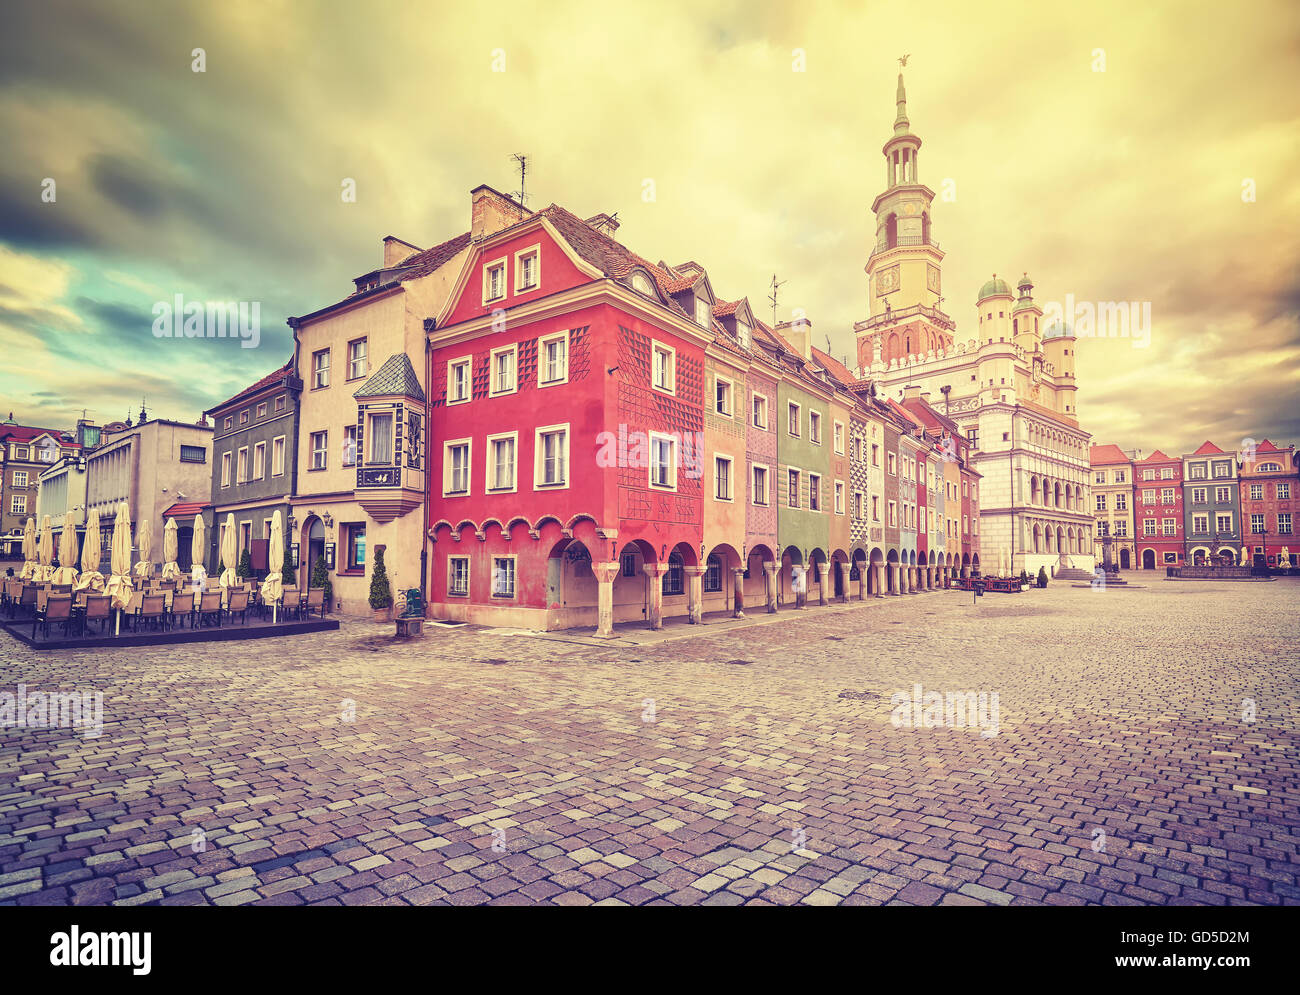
(1222, 495)
(494, 281)
(742, 334)
(1201, 524)
(503, 369)
(1284, 523)
(1257, 492)
(1223, 523)
(792, 495)
(458, 575)
(501, 461)
(20, 478)
(356, 359)
(349, 445)
(503, 576)
(892, 467)
(241, 465)
(838, 437)
(1148, 475)
(319, 445)
(722, 396)
(839, 497)
(794, 426)
(893, 515)
(554, 359)
(225, 469)
(703, 312)
(858, 506)
(458, 380)
(722, 478)
(1257, 524)
(760, 411)
(1166, 495)
(1283, 491)
(277, 456)
(663, 461)
(552, 457)
(18, 505)
(528, 269)
(814, 492)
(1170, 526)
(1149, 526)
(320, 366)
(259, 461)
(1167, 473)
(1198, 495)
(455, 467)
(664, 372)
(760, 485)
(261, 410)
(815, 428)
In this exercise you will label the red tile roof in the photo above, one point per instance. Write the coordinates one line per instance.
(835, 368)
(185, 509)
(1208, 448)
(262, 384)
(26, 433)
(428, 260)
(1267, 447)
(724, 308)
(1103, 455)
(1159, 457)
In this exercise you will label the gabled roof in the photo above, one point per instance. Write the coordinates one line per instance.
(28, 433)
(396, 378)
(1103, 455)
(426, 261)
(273, 377)
(1208, 448)
(931, 416)
(1159, 457)
(835, 368)
(1267, 447)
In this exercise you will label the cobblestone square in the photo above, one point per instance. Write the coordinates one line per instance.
(754, 765)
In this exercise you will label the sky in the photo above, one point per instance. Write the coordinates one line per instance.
(1117, 152)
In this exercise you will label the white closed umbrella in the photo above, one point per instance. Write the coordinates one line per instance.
(228, 577)
(171, 548)
(273, 586)
(67, 572)
(119, 581)
(29, 550)
(91, 579)
(45, 551)
(144, 540)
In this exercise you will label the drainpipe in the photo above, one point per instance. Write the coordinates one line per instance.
(428, 465)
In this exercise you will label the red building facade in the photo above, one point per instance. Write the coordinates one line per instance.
(1158, 511)
(1270, 477)
(548, 512)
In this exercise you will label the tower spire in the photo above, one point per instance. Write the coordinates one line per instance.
(901, 124)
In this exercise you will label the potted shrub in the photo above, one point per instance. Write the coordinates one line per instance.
(381, 595)
(1042, 576)
(320, 577)
(287, 574)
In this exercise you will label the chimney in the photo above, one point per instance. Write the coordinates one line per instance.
(798, 334)
(395, 250)
(912, 393)
(490, 212)
(606, 224)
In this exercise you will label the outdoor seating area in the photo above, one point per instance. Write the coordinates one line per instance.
(177, 610)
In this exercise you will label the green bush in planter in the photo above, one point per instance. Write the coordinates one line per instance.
(287, 573)
(320, 577)
(1042, 576)
(245, 568)
(381, 596)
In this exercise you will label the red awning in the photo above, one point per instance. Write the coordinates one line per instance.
(185, 509)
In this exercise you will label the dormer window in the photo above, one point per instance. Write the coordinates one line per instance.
(641, 284)
(703, 313)
(742, 334)
(494, 281)
(527, 269)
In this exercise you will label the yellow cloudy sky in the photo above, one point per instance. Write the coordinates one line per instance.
(1120, 185)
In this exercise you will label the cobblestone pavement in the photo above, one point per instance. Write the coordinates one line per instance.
(750, 766)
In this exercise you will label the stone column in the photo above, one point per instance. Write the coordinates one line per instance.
(862, 581)
(769, 569)
(694, 594)
(897, 572)
(823, 573)
(655, 613)
(879, 570)
(738, 592)
(911, 579)
(798, 579)
(605, 574)
(844, 582)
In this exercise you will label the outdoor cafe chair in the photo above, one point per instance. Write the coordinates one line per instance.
(315, 601)
(152, 609)
(238, 604)
(55, 609)
(98, 608)
(27, 600)
(209, 607)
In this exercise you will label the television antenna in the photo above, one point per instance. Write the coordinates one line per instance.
(776, 286)
(522, 193)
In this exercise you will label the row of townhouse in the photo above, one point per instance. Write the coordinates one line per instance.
(543, 429)
(1205, 506)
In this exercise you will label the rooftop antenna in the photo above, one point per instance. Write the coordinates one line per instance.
(522, 193)
(776, 286)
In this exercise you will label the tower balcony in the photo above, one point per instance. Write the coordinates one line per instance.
(899, 242)
(933, 314)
